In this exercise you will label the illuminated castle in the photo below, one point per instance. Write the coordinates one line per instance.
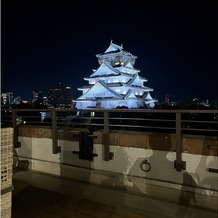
(115, 83)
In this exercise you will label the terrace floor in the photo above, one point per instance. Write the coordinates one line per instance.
(41, 195)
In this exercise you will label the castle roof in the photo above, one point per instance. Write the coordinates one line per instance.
(129, 65)
(126, 69)
(114, 48)
(100, 90)
(105, 70)
(130, 94)
(137, 80)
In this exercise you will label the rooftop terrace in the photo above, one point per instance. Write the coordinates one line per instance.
(129, 163)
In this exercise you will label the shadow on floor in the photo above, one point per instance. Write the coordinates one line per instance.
(36, 202)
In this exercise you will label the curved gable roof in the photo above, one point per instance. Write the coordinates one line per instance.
(104, 69)
(130, 94)
(129, 65)
(129, 70)
(100, 90)
(113, 47)
(136, 79)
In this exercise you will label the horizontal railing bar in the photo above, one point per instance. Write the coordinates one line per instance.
(206, 130)
(117, 112)
(143, 127)
(139, 119)
(209, 111)
(199, 121)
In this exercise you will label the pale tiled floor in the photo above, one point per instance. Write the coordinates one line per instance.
(147, 207)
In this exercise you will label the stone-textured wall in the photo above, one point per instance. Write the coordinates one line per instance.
(192, 144)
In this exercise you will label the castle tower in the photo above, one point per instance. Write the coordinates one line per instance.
(115, 83)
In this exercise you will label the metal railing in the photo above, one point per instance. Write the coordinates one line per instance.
(200, 122)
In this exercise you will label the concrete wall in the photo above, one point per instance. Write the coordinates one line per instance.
(124, 171)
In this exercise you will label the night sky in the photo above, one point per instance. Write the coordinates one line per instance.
(46, 42)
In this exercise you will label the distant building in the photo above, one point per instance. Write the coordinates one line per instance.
(17, 100)
(45, 100)
(68, 96)
(60, 96)
(115, 83)
(167, 98)
(37, 96)
(7, 98)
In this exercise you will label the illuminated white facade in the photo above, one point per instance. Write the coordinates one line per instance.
(115, 83)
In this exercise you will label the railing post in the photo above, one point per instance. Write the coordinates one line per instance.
(55, 147)
(179, 164)
(105, 139)
(15, 127)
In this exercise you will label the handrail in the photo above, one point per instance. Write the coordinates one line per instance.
(109, 119)
(119, 110)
